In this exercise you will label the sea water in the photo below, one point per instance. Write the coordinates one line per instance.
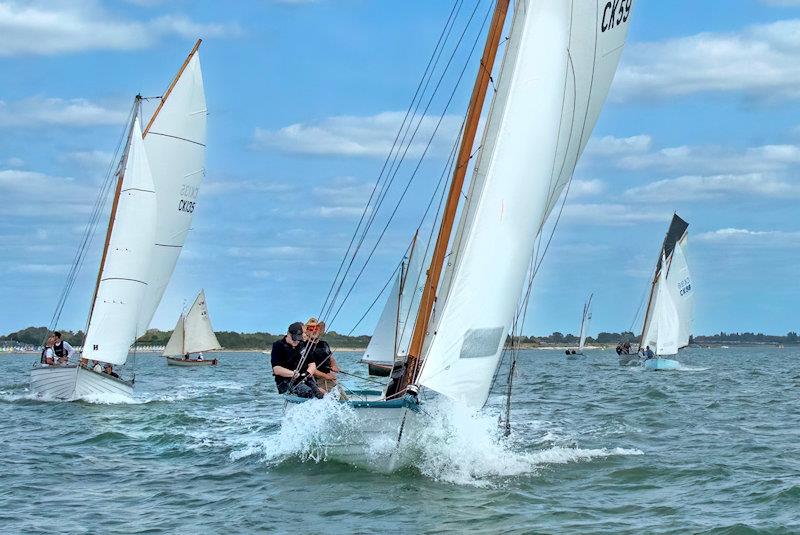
(713, 447)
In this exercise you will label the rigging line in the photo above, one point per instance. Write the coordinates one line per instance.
(89, 230)
(408, 146)
(366, 207)
(411, 178)
(414, 173)
(369, 309)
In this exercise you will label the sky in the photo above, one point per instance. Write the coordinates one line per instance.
(304, 99)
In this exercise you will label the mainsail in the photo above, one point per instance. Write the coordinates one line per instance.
(175, 140)
(668, 321)
(559, 63)
(393, 331)
(585, 320)
(115, 317)
(193, 332)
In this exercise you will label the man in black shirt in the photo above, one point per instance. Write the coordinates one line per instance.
(285, 358)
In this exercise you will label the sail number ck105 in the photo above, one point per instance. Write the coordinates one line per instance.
(186, 205)
(616, 13)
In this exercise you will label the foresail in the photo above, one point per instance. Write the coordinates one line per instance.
(116, 321)
(176, 146)
(666, 318)
(199, 333)
(174, 347)
(558, 67)
(680, 285)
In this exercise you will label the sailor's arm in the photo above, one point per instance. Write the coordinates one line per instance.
(280, 371)
(69, 349)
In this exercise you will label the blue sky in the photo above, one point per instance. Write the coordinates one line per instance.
(304, 98)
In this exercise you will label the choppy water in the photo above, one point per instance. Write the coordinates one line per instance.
(713, 448)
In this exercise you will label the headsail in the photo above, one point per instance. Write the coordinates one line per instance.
(558, 67)
(176, 341)
(176, 144)
(115, 322)
(393, 331)
(199, 333)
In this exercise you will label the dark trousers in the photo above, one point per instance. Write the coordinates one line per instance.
(306, 388)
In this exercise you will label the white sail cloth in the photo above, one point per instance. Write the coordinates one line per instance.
(176, 146)
(560, 60)
(392, 335)
(587, 318)
(193, 332)
(115, 321)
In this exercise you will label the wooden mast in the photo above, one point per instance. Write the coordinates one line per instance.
(456, 185)
(114, 206)
(171, 87)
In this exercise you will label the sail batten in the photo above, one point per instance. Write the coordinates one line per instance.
(554, 78)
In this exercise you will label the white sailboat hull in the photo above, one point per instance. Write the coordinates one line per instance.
(375, 438)
(73, 382)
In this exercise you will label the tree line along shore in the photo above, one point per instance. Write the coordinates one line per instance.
(263, 340)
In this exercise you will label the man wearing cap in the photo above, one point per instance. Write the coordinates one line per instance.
(285, 358)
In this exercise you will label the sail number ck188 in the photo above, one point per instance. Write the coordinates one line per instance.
(186, 205)
(685, 286)
(616, 13)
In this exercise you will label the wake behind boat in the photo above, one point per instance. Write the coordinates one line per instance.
(193, 334)
(555, 75)
(157, 180)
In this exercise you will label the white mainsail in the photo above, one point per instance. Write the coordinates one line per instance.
(560, 60)
(680, 286)
(176, 146)
(392, 334)
(175, 344)
(585, 320)
(115, 322)
(665, 318)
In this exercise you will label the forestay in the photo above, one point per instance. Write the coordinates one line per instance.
(175, 143)
(558, 67)
(115, 321)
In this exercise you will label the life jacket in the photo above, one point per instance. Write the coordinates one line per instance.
(43, 359)
(59, 350)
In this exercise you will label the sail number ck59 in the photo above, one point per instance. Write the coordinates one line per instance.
(616, 13)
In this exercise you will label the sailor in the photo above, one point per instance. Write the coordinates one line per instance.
(108, 369)
(287, 353)
(48, 357)
(648, 353)
(186, 356)
(62, 349)
(200, 356)
(97, 367)
(321, 355)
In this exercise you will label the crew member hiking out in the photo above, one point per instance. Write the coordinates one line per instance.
(285, 359)
(62, 349)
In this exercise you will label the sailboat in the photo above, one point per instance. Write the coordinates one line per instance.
(157, 183)
(392, 337)
(192, 335)
(558, 65)
(585, 321)
(667, 323)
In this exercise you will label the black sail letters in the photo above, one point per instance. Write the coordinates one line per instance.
(615, 13)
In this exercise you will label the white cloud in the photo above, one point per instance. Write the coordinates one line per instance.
(15, 162)
(47, 269)
(608, 146)
(24, 193)
(704, 188)
(750, 238)
(586, 188)
(92, 159)
(39, 111)
(359, 135)
(759, 61)
(611, 215)
(50, 27)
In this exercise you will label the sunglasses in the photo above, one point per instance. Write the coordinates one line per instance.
(312, 328)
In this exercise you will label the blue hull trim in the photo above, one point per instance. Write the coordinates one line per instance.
(407, 402)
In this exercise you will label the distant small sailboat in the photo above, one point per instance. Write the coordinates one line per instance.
(585, 321)
(667, 324)
(192, 335)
